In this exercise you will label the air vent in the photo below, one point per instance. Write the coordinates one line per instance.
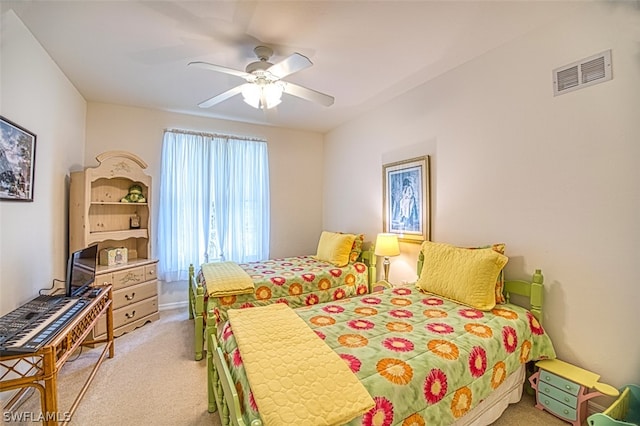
(586, 72)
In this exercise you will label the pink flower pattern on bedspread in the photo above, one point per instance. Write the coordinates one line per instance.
(423, 359)
(296, 281)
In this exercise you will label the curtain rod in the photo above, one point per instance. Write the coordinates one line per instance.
(215, 135)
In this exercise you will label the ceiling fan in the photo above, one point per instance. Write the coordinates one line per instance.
(264, 86)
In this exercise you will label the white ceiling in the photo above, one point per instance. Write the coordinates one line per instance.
(364, 53)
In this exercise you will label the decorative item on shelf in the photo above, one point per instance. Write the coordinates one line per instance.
(387, 245)
(134, 221)
(114, 256)
(135, 195)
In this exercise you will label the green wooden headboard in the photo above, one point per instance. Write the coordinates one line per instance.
(533, 291)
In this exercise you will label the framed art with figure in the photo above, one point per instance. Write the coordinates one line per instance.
(406, 199)
(17, 161)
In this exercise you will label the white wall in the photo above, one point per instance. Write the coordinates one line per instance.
(555, 178)
(36, 95)
(295, 171)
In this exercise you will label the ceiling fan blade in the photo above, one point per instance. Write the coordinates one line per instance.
(289, 65)
(308, 94)
(222, 96)
(220, 68)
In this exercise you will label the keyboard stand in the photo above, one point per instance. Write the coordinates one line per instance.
(40, 369)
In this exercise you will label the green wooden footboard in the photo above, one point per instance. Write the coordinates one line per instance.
(222, 393)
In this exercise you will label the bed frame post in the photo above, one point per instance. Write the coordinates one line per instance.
(213, 381)
(537, 294)
(196, 309)
(191, 301)
(369, 258)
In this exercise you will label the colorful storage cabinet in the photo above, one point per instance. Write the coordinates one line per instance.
(563, 389)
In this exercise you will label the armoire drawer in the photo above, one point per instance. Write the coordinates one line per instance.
(128, 314)
(150, 272)
(129, 277)
(135, 293)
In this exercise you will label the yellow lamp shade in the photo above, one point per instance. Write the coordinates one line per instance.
(387, 245)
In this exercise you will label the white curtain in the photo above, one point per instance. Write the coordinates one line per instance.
(214, 201)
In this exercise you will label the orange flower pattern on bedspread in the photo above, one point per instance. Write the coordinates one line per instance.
(424, 360)
(296, 281)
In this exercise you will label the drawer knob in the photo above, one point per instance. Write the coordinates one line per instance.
(546, 390)
(566, 411)
(130, 297)
(568, 387)
(548, 378)
(133, 314)
(566, 400)
(152, 271)
(546, 402)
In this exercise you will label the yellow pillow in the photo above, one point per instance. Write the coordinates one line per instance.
(466, 276)
(499, 247)
(334, 247)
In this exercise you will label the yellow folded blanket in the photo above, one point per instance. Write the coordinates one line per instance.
(295, 377)
(226, 279)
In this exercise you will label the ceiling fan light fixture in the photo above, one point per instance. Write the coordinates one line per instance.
(263, 95)
(264, 85)
(251, 94)
(272, 94)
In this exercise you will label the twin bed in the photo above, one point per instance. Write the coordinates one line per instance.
(446, 350)
(296, 281)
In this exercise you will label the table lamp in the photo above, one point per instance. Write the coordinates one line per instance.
(387, 245)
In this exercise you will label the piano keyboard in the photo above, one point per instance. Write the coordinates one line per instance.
(38, 324)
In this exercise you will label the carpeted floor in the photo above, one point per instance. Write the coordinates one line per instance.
(154, 380)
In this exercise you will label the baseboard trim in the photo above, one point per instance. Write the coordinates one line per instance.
(593, 407)
(173, 305)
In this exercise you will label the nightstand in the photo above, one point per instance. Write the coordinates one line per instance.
(564, 389)
(381, 285)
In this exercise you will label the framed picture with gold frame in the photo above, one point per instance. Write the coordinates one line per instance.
(406, 202)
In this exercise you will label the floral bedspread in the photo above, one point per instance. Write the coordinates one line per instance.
(296, 281)
(423, 359)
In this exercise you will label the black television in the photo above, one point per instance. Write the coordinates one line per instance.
(81, 271)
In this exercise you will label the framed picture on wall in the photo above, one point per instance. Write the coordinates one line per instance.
(17, 162)
(406, 199)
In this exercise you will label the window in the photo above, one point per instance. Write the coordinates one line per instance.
(214, 201)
